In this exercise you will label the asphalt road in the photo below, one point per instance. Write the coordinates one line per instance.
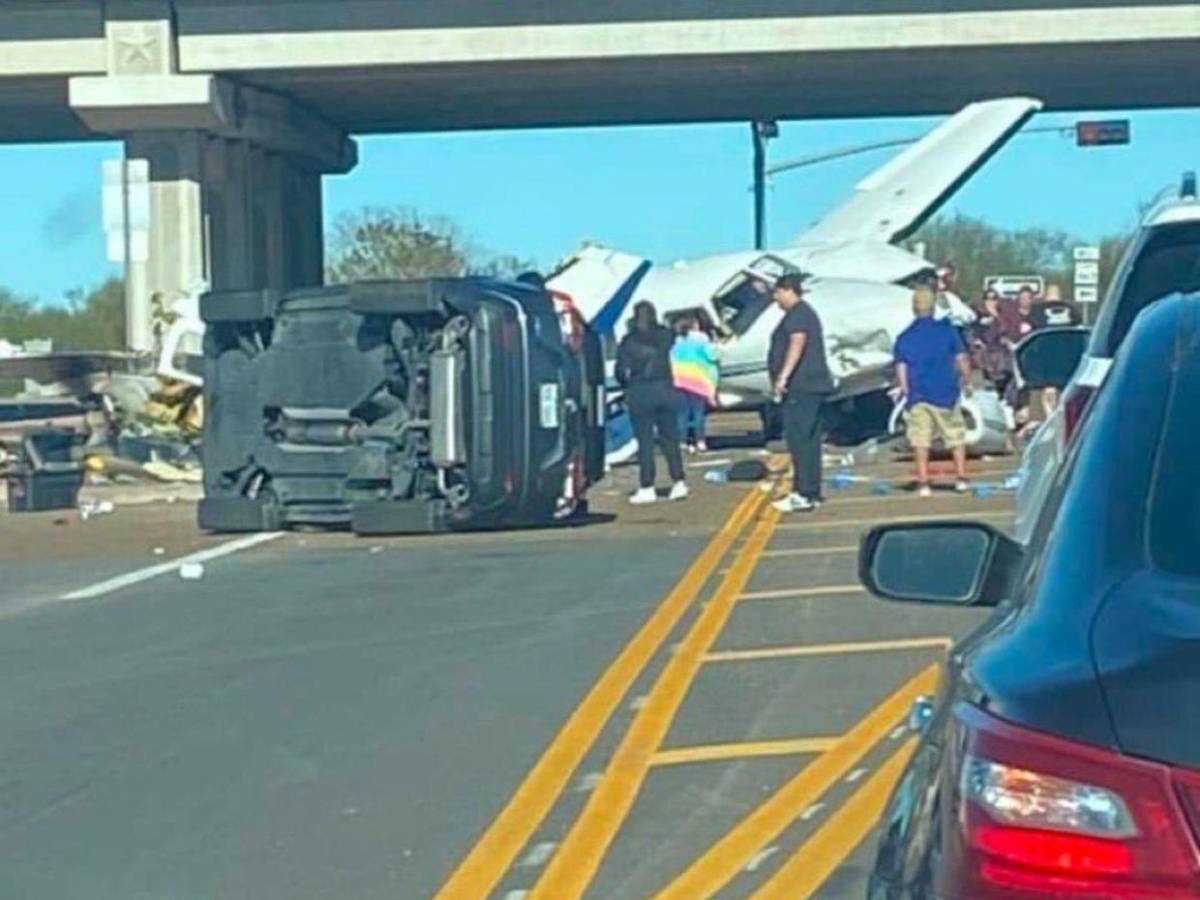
(689, 697)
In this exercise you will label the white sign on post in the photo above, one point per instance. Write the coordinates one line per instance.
(125, 193)
(1087, 274)
(1010, 285)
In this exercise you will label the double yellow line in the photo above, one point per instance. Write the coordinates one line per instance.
(572, 868)
(729, 855)
(495, 851)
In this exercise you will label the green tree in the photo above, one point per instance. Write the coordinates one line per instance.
(378, 243)
(92, 321)
(979, 249)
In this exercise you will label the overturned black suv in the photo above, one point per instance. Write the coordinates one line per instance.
(393, 407)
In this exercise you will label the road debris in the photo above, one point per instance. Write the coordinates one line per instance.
(192, 571)
(89, 509)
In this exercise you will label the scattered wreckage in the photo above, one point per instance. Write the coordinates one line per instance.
(386, 407)
(123, 421)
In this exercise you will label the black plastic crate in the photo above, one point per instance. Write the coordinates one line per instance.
(46, 475)
(39, 491)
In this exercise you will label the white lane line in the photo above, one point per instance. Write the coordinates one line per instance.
(898, 732)
(538, 854)
(811, 811)
(588, 782)
(761, 858)
(516, 895)
(855, 775)
(203, 556)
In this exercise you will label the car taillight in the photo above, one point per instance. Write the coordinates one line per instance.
(1074, 404)
(1039, 816)
(569, 319)
(574, 488)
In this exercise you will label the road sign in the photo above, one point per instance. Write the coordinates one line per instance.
(1010, 285)
(125, 193)
(1087, 273)
(1103, 133)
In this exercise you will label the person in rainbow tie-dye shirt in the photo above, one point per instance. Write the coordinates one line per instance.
(694, 371)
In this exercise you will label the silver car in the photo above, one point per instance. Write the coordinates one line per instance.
(1162, 259)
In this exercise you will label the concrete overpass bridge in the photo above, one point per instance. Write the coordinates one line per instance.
(241, 105)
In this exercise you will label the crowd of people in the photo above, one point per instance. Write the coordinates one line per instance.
(1002, 323)
(670, 375)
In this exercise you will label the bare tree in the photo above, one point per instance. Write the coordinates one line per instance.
(379, 243)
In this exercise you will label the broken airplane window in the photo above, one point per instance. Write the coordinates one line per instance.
(746, 296)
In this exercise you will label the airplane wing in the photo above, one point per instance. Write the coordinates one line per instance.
(893, 201)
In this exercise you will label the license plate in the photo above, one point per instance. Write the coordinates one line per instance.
(549, 406)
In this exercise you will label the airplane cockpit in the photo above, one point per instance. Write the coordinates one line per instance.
(747, 295)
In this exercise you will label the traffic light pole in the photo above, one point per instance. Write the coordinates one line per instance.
(760, 185)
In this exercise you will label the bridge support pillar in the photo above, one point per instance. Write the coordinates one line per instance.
(235, 172)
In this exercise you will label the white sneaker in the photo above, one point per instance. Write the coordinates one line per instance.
(962, 486)
(702, 447)
(679, 491)
(925, 491)
(643, 496)
(794, 503)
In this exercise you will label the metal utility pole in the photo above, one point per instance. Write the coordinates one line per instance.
(761, 132)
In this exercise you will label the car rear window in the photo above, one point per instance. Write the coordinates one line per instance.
(1168, 263)
(1174, 522)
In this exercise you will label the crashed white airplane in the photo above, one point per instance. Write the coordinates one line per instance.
(861, 285)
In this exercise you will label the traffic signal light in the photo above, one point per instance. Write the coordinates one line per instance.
(1101, 134)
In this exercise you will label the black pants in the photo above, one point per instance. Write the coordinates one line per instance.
(803, 433)
(654, 409)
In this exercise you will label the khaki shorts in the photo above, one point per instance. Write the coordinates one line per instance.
(926, 421)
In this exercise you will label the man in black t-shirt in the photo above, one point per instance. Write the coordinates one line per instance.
(801, 381)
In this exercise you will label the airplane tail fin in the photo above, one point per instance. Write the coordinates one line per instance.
(893, 201)
(600, 283)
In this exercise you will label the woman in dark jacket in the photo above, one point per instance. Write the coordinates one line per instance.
(993, 357)
(644, 370)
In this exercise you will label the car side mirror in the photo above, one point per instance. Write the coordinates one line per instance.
(950, 563)
(1049, 358)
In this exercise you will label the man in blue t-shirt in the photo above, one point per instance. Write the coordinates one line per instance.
(933, 369)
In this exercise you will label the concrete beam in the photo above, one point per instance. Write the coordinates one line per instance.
(285, 50)
(120, 104)
(124, 104)
(67, 56)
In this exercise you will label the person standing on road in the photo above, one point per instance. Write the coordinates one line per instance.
(994, 320)
(644, 370)
(801, 379)
(933, 371)
(1054, 312)
(694, 368)
(1026, 322)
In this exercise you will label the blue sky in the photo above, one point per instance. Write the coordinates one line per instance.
(670, 192)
